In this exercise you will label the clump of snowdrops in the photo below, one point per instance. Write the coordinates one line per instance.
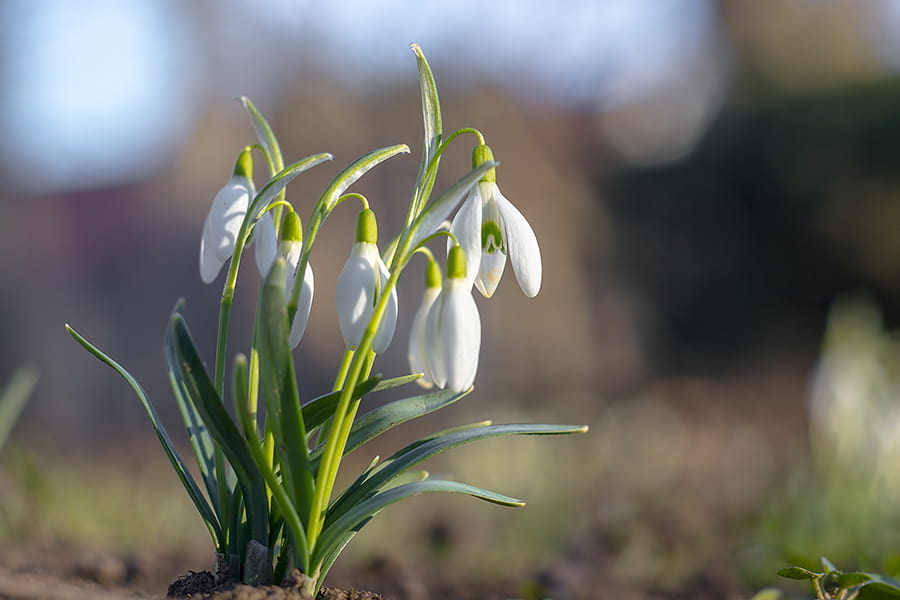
(266, 489)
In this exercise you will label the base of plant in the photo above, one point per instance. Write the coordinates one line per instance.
(203, 585)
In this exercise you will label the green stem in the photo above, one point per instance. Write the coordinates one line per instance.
(342, 371)
(336, 440)
(426, 180)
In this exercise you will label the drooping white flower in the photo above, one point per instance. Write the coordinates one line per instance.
(489, 228)
(291, 249)
(360, 286)
(223, 222)
(416, 353)
(453, 329)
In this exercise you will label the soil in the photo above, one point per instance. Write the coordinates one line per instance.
(76, 573)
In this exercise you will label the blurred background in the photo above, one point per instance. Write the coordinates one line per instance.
(706, 178)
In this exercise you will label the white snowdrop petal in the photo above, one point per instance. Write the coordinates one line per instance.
(226, 216)
(304, 304)
(521, 245)
(461, 336)
(489, 272)
(466, 226)
(266, 243)
(388, 324)
(355, 296)
(433, 350)
(210, 265)
(416, 353)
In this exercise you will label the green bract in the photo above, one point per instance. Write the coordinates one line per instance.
(266, 485)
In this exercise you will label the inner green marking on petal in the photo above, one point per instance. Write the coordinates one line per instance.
(491, 238)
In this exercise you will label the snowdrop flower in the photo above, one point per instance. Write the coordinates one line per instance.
(416, 355)
(291, 248)
(489, 228)
(360, 285)
(453, 329)
(224, 220)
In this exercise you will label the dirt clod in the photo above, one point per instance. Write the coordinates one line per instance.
(194, 584)
(202, 585)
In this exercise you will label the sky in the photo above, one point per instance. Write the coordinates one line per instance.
(99, 92)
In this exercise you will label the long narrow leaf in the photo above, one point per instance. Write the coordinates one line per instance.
(187, 480)
(336, 531)
(351, 173)
(431, 119)
(281, 179)
(387, 416)
(280, 388)
(421, 450)
(319, 410)
(198, 434)
(265, 134)
(205, 399)
(283, 513)
(386, 384)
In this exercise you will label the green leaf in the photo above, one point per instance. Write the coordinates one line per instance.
(13, 397)
(281, 179)
(283, 515)
(335, 532)
(279, 384)
(852, 579)
(797, 573)
(431, 118)
(198, 435)
(386, 384)
(178, 465)
(203, 395)
(879, 590)
(387, 416)
(265, 134)
(357, 169)
(319, 410)
(421, 450)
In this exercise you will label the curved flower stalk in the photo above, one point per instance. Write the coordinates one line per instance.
(359, 286)
(453, 329)
(291, 249)
(489, 228)
(416, 354)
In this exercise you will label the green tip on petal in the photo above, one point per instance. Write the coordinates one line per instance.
(291, 228)
(244, 165)
(432, 274)
(481, 155)
(366, 227)
(456, 263)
